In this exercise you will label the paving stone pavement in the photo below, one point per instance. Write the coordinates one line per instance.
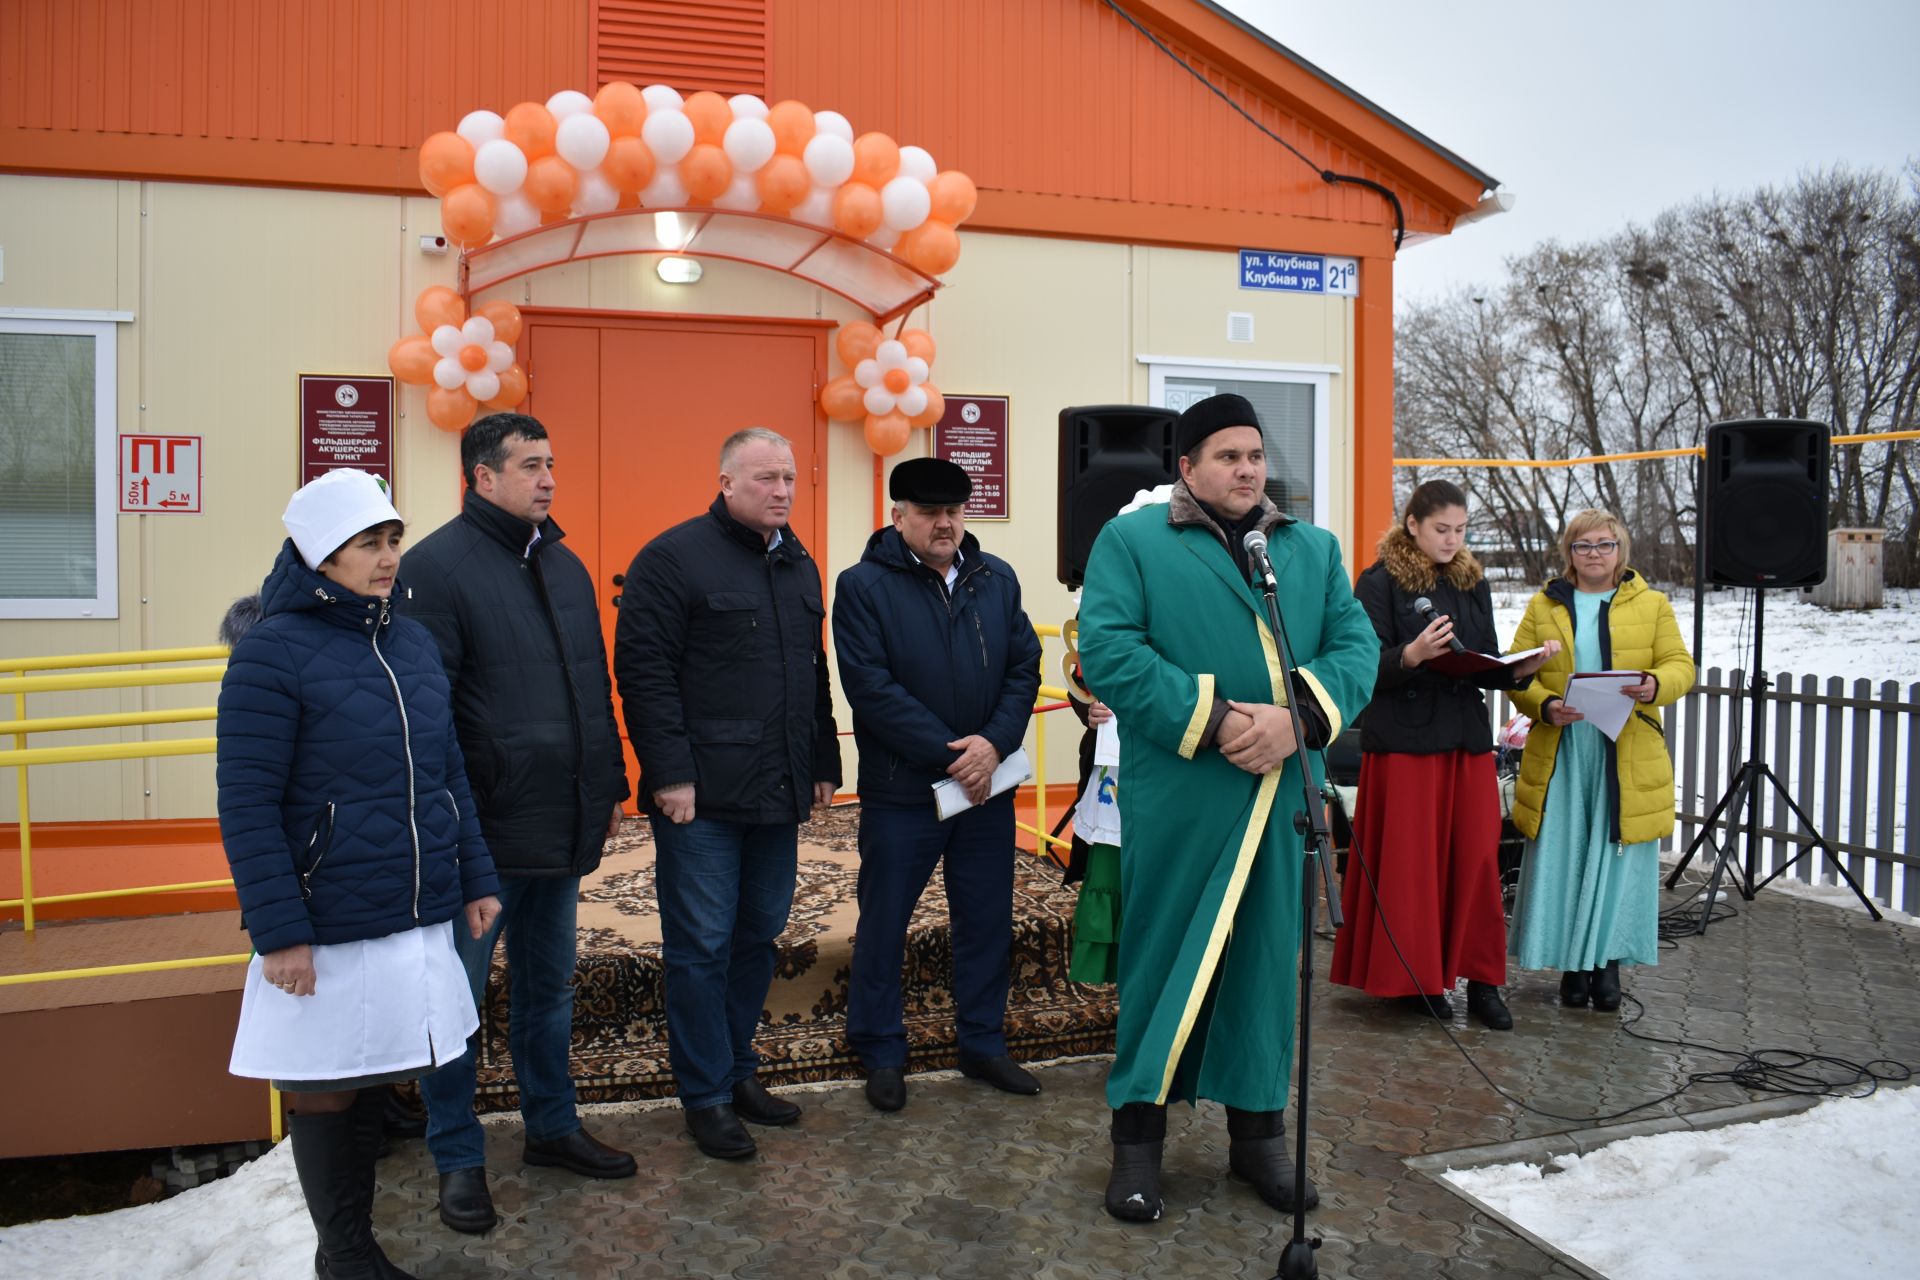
(967, 1183)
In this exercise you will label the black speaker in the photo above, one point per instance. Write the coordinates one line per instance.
(1764, 510)
(1108, 452)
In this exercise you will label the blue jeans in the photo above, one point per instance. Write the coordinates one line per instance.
(898, 851)
(538, 915)
(724, 889)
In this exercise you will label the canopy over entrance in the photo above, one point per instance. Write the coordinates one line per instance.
(881, 284)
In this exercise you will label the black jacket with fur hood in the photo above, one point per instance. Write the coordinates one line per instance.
(1421, 712)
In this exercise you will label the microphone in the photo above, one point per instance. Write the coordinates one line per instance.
(1256, 546)
(1424, 607)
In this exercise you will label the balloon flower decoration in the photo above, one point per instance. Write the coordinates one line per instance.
(465, 361)
(888, 388)
(625, 147)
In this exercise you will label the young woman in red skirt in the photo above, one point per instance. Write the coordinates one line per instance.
(1428, 826)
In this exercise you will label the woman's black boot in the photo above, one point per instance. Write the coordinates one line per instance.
(1139, 1136)
(328, 1154)
(1485, 1005)
(1606, 987)
(1257, 1151)
(370, 1113)
(1575, 988)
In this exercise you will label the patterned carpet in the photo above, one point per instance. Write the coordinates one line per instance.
(619, 1025)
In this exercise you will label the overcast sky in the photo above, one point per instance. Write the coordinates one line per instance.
(1594, 115)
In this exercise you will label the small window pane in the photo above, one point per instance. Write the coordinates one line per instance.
(47, 428)
(1286, 420)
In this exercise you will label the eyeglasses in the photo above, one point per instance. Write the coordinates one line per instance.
(1594, 548)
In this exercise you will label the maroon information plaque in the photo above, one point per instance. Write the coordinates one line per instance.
(345, 422)
(973, 434)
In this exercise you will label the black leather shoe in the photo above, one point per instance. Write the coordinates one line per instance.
(1575, 988)
(719, 1133)
(1606, 987)
(1438, 1007)
(1003, 1073)
(1257, 1151)
(581, 1152)
(752, 1103)
(887, 1088)
(465, 1203)
(1487, 1008)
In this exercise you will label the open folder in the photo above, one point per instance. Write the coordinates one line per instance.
(1465, 663)
(949, 797)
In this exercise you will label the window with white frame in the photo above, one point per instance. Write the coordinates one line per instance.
(58, 462)
(1292, 403)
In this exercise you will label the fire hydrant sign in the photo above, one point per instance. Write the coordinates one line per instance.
(1282, 272)
(972, 434)
(345, 422)
(160, 474)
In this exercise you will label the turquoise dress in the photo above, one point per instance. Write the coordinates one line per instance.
(1583, 899)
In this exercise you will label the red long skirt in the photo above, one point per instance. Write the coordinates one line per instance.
(1428, 828)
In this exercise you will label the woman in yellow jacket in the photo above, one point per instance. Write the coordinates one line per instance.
(1590, 876)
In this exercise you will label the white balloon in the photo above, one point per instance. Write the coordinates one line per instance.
(582, 141)
(595, 194)
(905, 204)
(879, 400)
(749, 143)
(867, 372)
(741, 194)
(747, 107)
(568, 103)
(476, 332)
(666, 191)
(482, 127)
(513, 214)
(917, 369)
(892, 354)
(829, 159)
(885, 238)
(499, 166)
(660, 97)
(499, 357)
(484, 385)
(834, 123)
(447, 340)
(916, 162)
(816, 209)
(913, 401)
(668, 134)
(448, 372)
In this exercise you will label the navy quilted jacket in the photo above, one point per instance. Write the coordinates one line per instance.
(343, 800)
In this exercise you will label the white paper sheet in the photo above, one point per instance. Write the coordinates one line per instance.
(1596, 695)
(949, 797)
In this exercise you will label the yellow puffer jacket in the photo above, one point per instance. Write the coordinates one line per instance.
(1637, 633)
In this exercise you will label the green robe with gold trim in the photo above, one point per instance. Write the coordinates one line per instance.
(1210, 863)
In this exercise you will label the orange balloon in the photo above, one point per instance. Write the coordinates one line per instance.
(896, 380)
(918, 342)
(620, 108)
(450, 410)
(711, 115)
(466, 215)
(473, 357)
(438, 305)
(706, 172)
(856, 210)
(628, 166)
(933, 247)
(935, 410)
(530, 127)
(505, 318)
(412, 359)
(792, 125)
(855, 342)
(888, 433)
(513, 388)
(876, 159)
(551, 184)
(840, 399)
(954, 197)
(446, 162)
(782, 183)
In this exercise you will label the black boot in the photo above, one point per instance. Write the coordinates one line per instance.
(1484, 1004)
(1575, 988)
(1257, 1151)
(1139, 1136)
(328, 1158)
(371, 1111)
(1606, 987)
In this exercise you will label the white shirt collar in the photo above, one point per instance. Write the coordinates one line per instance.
(953, 570)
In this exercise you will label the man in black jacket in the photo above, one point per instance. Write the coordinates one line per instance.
(940, 666)
(723, 680)
(518, 626)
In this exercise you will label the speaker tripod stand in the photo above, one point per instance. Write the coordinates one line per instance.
(1741, 805)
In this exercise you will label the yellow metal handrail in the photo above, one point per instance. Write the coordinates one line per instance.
(1051, 698)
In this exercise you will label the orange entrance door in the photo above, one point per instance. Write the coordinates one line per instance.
(637, 408)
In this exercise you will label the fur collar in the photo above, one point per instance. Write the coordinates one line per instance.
(1184, 509)
(1413, 572)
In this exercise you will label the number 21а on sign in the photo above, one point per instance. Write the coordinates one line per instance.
(1278, 271)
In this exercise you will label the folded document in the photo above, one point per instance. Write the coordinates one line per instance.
(949, 797)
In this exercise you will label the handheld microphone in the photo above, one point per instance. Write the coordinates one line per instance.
(1256, 545)
(1424, 607)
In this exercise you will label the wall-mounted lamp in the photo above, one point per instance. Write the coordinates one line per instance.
(678, 270)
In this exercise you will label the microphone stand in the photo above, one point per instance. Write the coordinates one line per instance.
(1297, 1260)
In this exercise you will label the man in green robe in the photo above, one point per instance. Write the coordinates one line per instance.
(1174, 639)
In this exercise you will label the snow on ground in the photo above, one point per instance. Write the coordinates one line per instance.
(1828, 1192)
